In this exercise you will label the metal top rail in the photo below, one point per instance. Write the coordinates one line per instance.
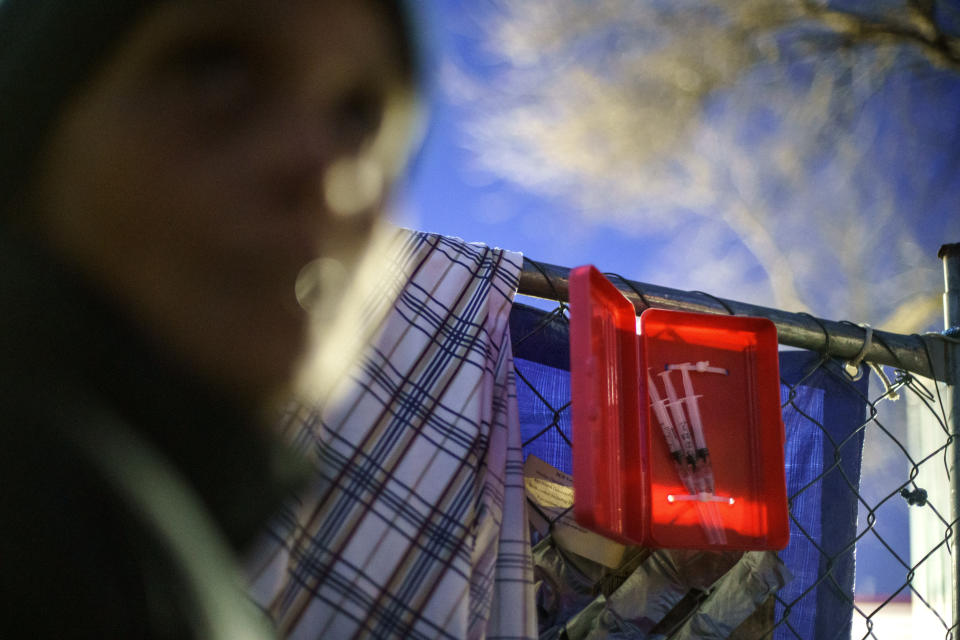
(923, 354)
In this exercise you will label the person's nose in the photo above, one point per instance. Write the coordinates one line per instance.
(296, 151)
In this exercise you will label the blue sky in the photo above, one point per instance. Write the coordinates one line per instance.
(450, 192)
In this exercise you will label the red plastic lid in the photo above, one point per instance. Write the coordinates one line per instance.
(607, 459)
(626, 481)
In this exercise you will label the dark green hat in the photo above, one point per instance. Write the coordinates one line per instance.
(47, 49)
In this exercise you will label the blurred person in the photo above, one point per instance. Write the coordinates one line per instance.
(167, 171)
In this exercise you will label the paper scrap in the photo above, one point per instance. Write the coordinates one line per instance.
(551, 491)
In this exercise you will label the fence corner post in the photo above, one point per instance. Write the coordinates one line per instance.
(950, 255)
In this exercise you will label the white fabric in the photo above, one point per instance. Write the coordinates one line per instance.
(416, 525)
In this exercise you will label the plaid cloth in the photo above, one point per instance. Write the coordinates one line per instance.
(416, 525)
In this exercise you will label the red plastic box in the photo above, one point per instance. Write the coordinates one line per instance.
(623, 472)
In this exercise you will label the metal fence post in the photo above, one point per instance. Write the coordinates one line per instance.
(950, 254)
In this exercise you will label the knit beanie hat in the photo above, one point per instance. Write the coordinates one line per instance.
(49, 48)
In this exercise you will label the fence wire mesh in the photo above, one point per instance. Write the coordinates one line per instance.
(896, 499)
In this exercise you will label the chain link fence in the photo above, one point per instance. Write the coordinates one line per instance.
(879, 483)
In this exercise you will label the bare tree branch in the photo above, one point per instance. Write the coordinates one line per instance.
(790, 125)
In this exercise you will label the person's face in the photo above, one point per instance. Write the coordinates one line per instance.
(225, 145)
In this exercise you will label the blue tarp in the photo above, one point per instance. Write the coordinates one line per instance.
(822, 417)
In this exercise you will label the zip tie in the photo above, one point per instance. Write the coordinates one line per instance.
(890, 392)
(703, 366)
(702, 496)
(852, 367)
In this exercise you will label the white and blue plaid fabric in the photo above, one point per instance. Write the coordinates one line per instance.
(416, 525)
